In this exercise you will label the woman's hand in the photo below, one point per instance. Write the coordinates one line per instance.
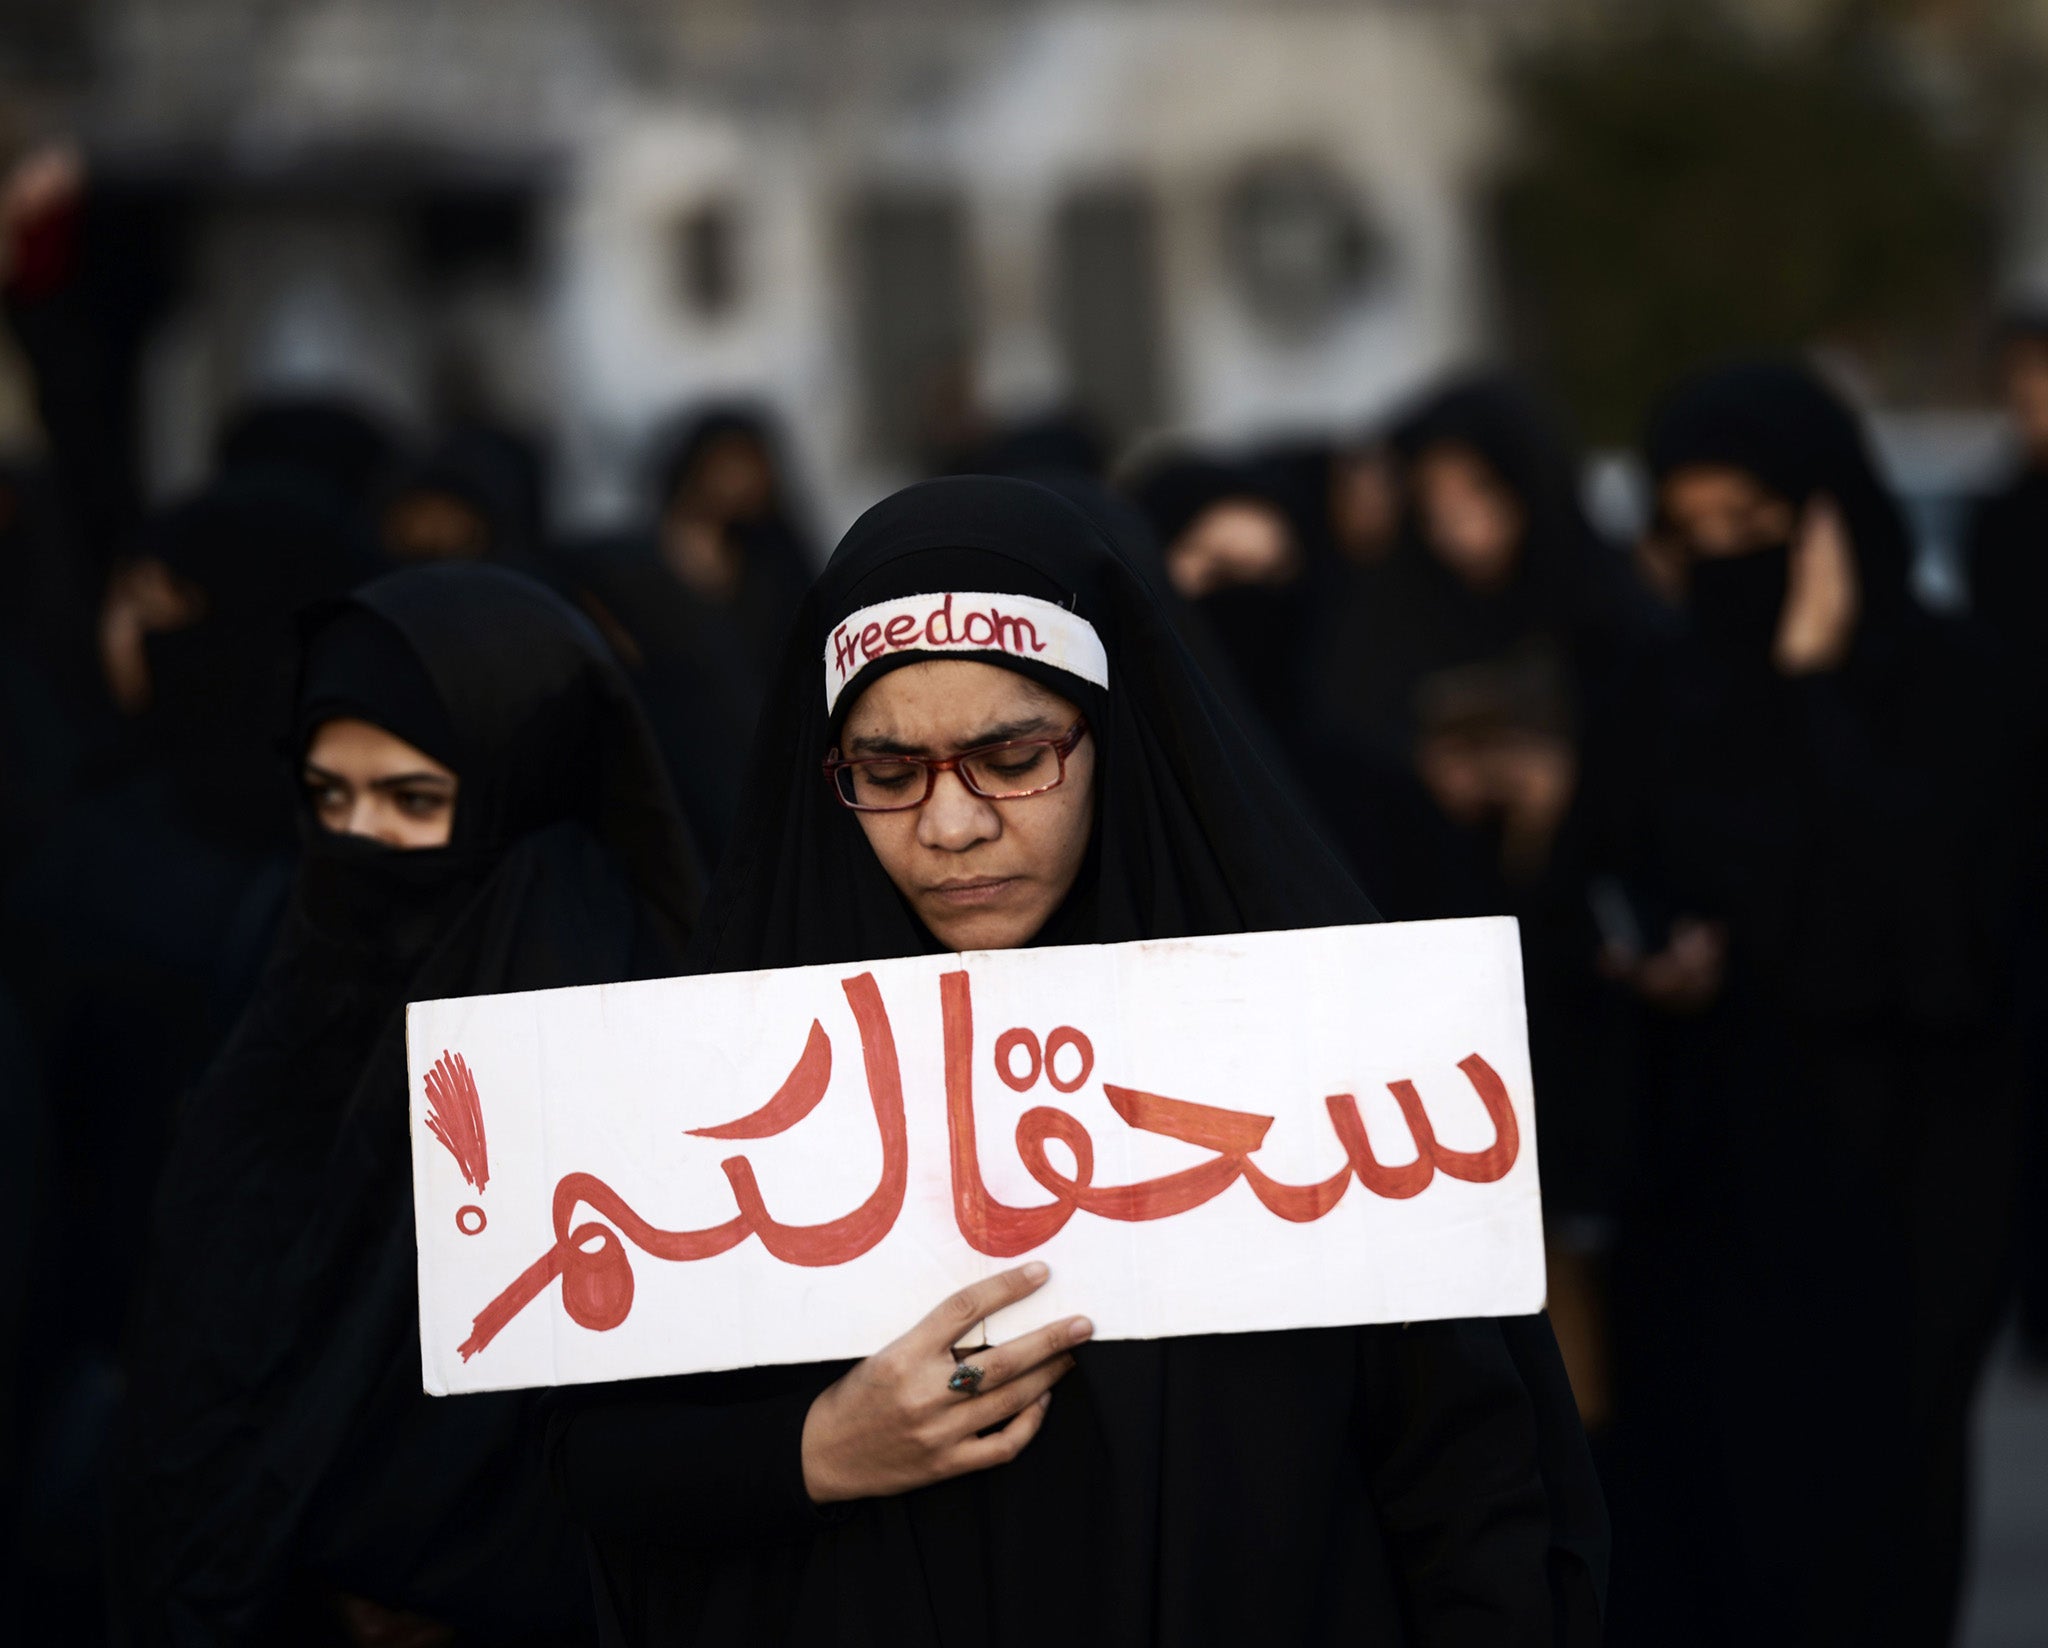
(892, 1424)
(1822, 601)
(372, 1625)
(1685, 976)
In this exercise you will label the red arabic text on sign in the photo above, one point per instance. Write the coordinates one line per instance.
(597, 1275)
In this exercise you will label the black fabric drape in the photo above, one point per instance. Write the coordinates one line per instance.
(276, 1442)
(1423, 1484)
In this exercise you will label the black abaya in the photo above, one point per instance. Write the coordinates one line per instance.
(277, 1443)
(1815, 1248)
(1401, 1484)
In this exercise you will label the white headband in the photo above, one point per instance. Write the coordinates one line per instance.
(1020, 626)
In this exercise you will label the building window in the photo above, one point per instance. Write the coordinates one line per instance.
(707, 259)
(913, 322)
(1106, 305)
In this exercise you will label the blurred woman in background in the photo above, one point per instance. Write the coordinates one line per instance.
(1821, 855)
(1496, 550)
(698, 606)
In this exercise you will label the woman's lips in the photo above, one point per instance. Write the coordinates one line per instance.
(966, 894)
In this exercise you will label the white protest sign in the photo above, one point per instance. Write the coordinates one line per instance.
(1216, 1135)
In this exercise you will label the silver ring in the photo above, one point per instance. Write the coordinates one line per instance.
(966, 1379)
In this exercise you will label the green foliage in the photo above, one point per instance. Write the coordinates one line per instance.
(1686, 194)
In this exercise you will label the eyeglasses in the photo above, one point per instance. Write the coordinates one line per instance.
(995, 772)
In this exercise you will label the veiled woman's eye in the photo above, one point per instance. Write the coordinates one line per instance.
(420, 803)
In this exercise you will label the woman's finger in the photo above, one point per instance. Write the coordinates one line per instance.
(1002, 1363)
(951, 1322)
(984, 1412)
(979, 1453)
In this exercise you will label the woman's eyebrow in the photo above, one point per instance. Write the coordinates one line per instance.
(399, 781)
(1008, 730)
(882, 744)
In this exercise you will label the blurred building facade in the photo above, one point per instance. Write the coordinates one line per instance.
(891, 221)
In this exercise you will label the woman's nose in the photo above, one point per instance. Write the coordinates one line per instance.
(367, 819)
(955, 818)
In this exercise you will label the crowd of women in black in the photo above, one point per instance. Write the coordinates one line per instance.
(1769, 826)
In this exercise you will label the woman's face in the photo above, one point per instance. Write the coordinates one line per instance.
(1718, 512)
(362, 780)
(1471, 521)
(432, 525)
(981, 875)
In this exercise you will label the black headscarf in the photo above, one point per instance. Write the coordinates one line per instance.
(1194, 834)
(1565, 577)
(255, 548)
(276, 1433)
(329, 439)
(778, 562)
(481, 475)
(1778, 423)
(1416, 615)
(1260, 631)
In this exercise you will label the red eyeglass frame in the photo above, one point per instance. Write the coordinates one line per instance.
(1061, 747)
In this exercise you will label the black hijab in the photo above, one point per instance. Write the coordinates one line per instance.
(1260, 629)
(276, 1436)
(478, 474)
(1566, 577)
(1778, 423)
(1415, 615)
(1193, 834)
(329, 440)
(777, 559)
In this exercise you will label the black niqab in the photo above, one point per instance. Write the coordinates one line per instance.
(1776, 422)
(276, 1437)
(1308, 1487)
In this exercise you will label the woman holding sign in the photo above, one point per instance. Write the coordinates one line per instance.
(987, 736)
(483, 810)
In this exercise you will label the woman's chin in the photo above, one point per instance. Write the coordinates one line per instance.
(1005, 929)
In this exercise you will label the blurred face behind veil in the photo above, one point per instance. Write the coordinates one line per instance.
(1796, 557)
(720, 502)
(465, 499)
